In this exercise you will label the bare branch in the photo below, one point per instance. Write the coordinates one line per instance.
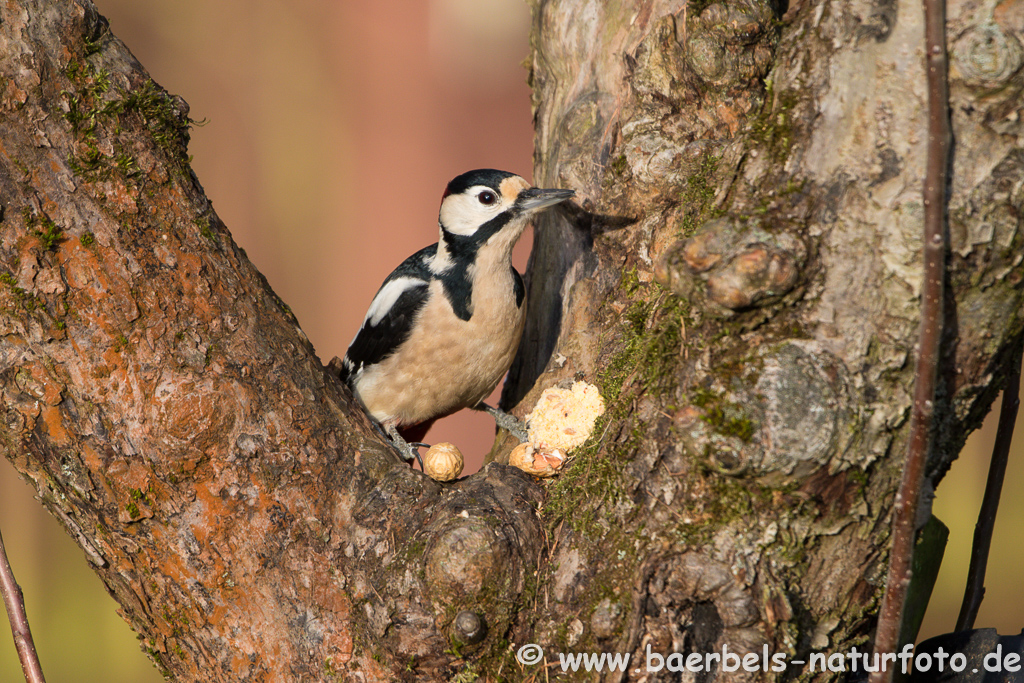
(15, 604)
(905, 507)
(975, 590)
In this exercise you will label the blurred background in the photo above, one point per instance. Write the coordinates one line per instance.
(332, 130)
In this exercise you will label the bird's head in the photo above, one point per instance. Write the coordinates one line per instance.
(485, 206)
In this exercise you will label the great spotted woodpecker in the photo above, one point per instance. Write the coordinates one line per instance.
(444, 327)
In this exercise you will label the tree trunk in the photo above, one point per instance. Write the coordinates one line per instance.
(740, 279)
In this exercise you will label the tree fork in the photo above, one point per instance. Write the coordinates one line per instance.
(231, 495)
(171, 413)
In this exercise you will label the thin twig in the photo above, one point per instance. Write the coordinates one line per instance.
(905, 507)
(975, 589)
(15, 603)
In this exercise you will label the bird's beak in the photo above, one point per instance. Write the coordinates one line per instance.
(535, 199)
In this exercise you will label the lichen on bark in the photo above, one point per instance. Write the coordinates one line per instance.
(795, 282)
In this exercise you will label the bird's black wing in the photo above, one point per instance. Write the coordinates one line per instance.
(389, 321)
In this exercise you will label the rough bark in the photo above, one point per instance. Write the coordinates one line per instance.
(763, 163)
(761, 412)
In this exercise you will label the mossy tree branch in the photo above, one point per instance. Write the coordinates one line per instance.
(172, 415)
(232, 497)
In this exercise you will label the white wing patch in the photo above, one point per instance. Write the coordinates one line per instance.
(388, 295)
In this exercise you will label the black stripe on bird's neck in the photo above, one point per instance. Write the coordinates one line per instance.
(458, 289)
(462, 250)
(464, 247)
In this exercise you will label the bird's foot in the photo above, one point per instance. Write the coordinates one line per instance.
(408, 451)
(510, 423)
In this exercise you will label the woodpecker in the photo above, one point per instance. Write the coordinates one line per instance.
(444, 327)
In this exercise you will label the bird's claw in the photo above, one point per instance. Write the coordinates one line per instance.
(512, 424)
(408, 451)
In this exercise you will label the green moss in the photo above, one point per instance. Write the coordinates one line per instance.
(726, 501)
(772, 128)
(87, 239)
(43, 227)
(92, 46)
(23, 167)
(698, 193)
(629, 283)
(651, 349)
(126, 164)
(620, 165)
(23, 298)
(85, 104)
(728, 420)
(120, 343)
(859, 478)
(49, 234)
(150, 649)
(204, 229)
(178, 621)
(591, 492)
(135, 497)
(702, 397)
(636, 316)
(284, 307)
(90, 108)
(468, 674)
(695, 7)
(157, 108)
(590, 481)
(73, 70)
(328, 668)
(89, 162)
(723, 416)
(700, 187)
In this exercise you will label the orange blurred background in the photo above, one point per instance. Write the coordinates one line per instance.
(332, 130)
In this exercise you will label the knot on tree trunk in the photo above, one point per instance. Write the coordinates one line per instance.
(468, 547)
(741, 265)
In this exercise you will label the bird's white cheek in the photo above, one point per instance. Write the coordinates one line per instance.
(462, 215)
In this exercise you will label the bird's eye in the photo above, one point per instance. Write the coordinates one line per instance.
(486, 197)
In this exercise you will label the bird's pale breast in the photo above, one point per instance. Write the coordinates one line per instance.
(447, 364)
